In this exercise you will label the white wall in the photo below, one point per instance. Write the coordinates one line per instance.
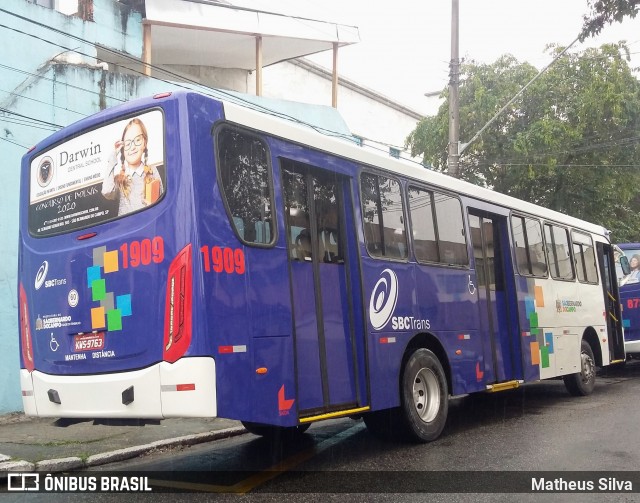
(367, 116)
(377, 119)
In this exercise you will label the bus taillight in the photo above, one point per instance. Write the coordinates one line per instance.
(177, 317)
(25, 332)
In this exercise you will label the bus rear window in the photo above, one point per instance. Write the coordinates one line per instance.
(100, 175)
(244, 170)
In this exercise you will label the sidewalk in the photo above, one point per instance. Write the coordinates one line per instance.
(47, 444)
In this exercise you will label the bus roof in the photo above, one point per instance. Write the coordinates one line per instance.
(256, 116)
(279, 127)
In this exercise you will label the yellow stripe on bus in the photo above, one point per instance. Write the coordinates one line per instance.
(501, 386)
(329, 415)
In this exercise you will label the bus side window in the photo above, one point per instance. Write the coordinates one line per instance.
(584, 257)
(372, 238)
(245, 179)
(559, 252)
(529, 246)
(451, 238)
(437, 227)
(383, 215)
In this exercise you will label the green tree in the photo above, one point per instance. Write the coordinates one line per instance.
(605, 12)
(571, 142)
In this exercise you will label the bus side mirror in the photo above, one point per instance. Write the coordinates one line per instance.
(624, 264)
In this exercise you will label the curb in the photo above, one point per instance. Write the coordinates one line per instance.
(15, 466)
(75, 463)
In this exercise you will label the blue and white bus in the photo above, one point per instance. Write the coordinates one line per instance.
(630, 298)
(184, 256)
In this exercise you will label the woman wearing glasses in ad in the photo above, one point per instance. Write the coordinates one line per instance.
(127, 175)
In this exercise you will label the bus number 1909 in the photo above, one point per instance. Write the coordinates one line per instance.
(223, 259)
(142, 252)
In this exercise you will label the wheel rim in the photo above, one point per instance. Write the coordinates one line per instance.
(588, 367)
(426, 394)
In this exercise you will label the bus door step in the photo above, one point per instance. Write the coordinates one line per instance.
(502, 386)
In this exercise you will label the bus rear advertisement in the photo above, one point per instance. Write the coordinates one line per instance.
(182, 256)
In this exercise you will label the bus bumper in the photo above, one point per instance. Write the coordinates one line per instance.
(632, 346)
(186, 388)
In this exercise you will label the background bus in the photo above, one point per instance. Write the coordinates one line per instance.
(183, 256)
(630, 298)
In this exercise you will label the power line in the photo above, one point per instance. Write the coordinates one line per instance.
(515, 161)
(216, 92)
(497, 114)
(57, 45)
(27, 123)
(137, 60)
(42, 77)
(512, 164)
(43, 102)
(14, 142)
(229, 96)
(4, 110)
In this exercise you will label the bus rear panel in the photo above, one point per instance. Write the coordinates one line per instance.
(106, 271)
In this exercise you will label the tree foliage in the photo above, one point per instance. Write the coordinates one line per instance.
(604, 12)
(570, 142)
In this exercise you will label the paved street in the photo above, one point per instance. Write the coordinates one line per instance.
(536, 428)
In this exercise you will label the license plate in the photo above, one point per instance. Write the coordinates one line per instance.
(88, 342)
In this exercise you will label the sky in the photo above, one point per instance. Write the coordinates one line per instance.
(405, 45)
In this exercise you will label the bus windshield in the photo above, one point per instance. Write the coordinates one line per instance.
(632, 252)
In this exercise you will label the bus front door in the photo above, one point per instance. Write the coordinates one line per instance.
(490, 250)
(316, 225)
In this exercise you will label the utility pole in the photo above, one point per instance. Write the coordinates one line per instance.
(455, 147)
(453, 167)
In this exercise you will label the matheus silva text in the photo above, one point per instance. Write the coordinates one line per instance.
(603, 484)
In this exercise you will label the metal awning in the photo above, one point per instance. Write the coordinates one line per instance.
(223, 36)
(210, 33)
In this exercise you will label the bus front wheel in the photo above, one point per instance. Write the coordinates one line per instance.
(582, 383)
(425, 397)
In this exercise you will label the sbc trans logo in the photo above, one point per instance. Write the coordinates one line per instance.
(382, 306)
(383, 299)
(41, 275)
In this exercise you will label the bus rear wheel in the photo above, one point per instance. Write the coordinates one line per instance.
(275, 432)
(582, 383)
(425, 397)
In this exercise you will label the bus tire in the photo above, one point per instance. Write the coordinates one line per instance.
(582, 383)
(424, 396)
(275, 432)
